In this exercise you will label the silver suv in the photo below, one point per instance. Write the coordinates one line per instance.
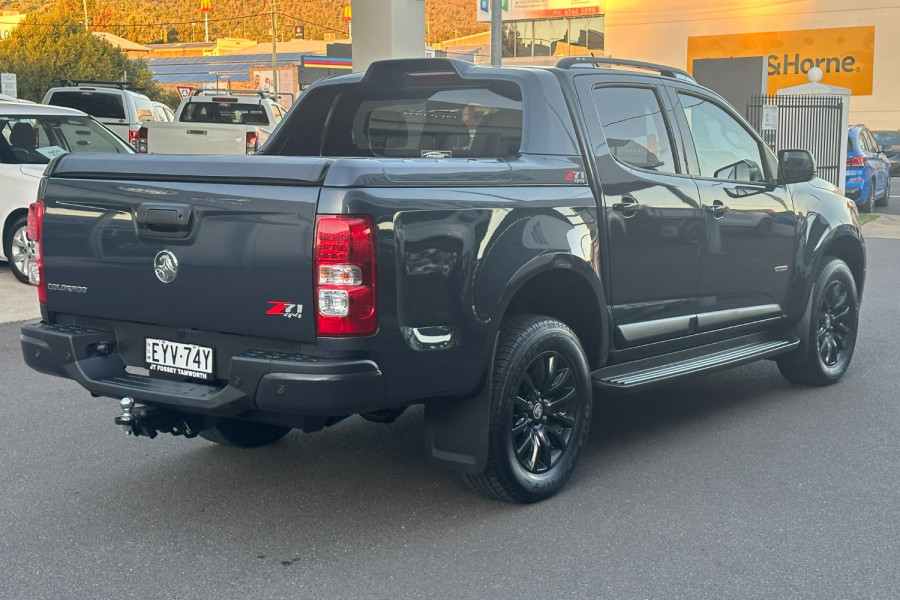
(120, 109)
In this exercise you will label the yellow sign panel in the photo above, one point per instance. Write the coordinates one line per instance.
(845, 54)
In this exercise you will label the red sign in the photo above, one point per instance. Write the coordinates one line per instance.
(184, 90)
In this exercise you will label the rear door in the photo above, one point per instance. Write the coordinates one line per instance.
(651, 207)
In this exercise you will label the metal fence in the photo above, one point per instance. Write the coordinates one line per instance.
(811, 122)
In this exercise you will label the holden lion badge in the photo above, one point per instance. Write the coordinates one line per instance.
(166, 266)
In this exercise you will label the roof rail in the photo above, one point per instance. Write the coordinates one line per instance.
(78, 82)
(205, 91)
(605, 61)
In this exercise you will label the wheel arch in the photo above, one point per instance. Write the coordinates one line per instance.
(13, 215)
(566, 289)
(849, 249)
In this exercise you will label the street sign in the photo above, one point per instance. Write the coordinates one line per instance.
(769, 117)
(8, 84)
(184, 90)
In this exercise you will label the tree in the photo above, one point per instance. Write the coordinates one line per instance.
(53, 44)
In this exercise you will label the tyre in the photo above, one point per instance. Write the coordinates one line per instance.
(18, 248)
(866, 207)
(540, 410)
(831, 336)
(243, 434)
(883, 201)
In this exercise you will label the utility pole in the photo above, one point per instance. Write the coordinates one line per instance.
(496, 32)
(274, 53)
(86, 26)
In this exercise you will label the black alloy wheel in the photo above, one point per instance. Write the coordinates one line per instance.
(836, 324)
(542, 424)
(540, 411)
(825, 354)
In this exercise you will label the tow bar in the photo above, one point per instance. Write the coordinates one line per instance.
(141, 420)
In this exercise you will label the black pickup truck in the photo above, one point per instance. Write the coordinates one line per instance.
(499, 244)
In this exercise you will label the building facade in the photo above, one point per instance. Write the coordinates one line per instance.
(851, 42)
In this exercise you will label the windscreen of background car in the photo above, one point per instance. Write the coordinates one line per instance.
(98, 105)
(236, 113)
(46, 137)
(143, 109)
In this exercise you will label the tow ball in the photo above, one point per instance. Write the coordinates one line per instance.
(141, 420)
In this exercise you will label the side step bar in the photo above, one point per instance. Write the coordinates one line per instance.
(704, 359)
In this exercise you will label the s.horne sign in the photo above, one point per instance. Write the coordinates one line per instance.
(845, 54)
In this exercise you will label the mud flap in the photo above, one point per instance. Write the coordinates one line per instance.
(456, 432)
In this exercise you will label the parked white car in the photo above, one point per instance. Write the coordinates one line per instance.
(30, 136)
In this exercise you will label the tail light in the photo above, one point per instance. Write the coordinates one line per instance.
(133, 137)
(346, 295)
(252, 142)
(141, 140)
(35, 265)
(856, 161)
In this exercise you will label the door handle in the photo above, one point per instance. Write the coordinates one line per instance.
(164, 220)
(628, 207)
(717, 208)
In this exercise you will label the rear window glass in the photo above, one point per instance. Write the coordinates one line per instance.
(475, 119)
(237, 113)
(99, 105)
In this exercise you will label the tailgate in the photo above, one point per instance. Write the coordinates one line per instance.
(219, 244)
(195, 138)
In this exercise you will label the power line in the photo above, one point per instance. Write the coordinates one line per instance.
(310, 22)
(240, 18)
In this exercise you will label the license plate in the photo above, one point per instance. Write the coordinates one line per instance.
(177, 360)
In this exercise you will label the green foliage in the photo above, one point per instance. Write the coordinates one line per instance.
(52, 44)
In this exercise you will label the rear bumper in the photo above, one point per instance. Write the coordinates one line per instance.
(258, 380)
(854, 193)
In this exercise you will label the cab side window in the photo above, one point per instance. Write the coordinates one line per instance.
(725, 149)
(634, 127)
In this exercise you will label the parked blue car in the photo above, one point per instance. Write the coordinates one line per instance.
(868, 181)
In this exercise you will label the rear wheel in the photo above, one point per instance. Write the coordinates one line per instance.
(540, 410)
(243, 434)
(866, 207)
(18, 248)
(883, 201)
(831, 336)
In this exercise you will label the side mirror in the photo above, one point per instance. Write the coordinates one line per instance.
(796, 166)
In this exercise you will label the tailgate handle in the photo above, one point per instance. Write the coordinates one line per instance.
(196, 132)
(164, 220)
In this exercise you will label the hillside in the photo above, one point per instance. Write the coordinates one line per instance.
(148, 21)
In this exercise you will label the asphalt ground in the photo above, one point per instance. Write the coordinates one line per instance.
(736, 485)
